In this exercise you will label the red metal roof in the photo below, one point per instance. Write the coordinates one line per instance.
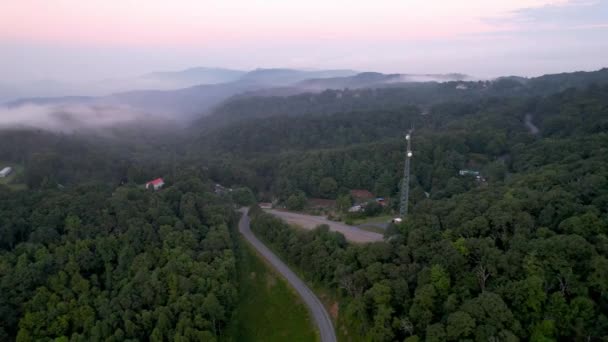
(157, 181)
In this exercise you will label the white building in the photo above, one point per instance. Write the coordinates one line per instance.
(6, 171)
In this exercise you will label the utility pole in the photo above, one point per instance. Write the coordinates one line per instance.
(405, 187)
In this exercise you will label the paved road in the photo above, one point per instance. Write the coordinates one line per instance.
(351, 233)
(317, 310)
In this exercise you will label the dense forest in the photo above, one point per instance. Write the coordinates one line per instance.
(86, 253)
(365, 149)
(521, 256)
(523, 259)
(393, 97)
(120, 156)
(93, 263)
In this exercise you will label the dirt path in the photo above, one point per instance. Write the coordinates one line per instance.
(351, 233)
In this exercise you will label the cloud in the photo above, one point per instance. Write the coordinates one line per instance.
(576, 14)
(67, 118)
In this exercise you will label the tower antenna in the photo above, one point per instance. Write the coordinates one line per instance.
(405, 186)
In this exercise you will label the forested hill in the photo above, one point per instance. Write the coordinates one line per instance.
(94, 263)
(394, 96)
(521, 256)
(364, 149)
(87, 254)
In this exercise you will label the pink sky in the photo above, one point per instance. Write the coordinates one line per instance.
(155, 22)
(96, 39)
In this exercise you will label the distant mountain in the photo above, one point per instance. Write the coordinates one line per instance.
(194, 76)
(374, 79)
(288, 76)
(240, 98)
(355, 81)
(40, 88)
(165, 80)
(191, 101)
(181, 103)
(44, 101)
(198, 100)
(375, 91)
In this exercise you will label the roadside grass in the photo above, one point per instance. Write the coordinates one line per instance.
(373, 219)
(329, 297)
(269, 309)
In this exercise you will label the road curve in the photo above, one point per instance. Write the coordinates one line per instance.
(351, 233)
(316, 308)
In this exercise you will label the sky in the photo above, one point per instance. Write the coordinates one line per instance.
(76, 40)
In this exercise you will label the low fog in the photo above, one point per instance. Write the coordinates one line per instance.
(66, 118)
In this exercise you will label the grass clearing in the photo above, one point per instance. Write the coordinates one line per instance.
(269, 309)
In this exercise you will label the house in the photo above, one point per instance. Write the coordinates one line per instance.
(468, 173)
(221, 190)
(361, 195)
(155, 184)
(476, 174)
(5, 172)
(462, 86)
(265, 205)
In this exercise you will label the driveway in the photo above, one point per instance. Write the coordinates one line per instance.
(351, 233)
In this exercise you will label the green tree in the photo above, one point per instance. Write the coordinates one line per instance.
(328, 187)
(344, 202)
(296, 201)
(460, 325)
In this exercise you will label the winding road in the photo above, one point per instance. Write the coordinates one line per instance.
(316, 308)
(351, 233)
